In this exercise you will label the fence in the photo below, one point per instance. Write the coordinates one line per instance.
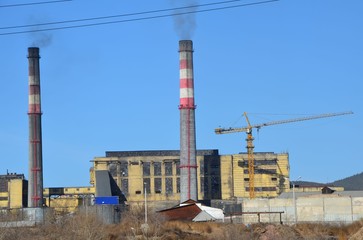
(337, 209)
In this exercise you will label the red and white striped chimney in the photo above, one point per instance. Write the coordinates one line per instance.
(35, 185)
(188, 165)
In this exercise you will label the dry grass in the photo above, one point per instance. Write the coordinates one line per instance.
(81, 226)
(69, 227)
(325, 231)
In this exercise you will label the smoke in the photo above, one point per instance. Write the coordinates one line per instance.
(185, 24)
(39, 39)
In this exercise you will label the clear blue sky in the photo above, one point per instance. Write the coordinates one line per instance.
(116, 86)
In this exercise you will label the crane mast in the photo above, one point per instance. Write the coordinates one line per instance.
(249, 139)
(250, 158)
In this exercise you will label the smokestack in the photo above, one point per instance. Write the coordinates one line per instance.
(35, 186)
(188, 165)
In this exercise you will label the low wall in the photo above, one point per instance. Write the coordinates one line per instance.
(24, 217)
(342, 209)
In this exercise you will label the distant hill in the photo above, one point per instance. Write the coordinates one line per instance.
(310, 184)
(353, 183)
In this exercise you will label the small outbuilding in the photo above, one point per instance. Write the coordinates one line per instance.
(191, 210)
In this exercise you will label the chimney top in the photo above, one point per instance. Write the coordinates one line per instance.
(33, 52)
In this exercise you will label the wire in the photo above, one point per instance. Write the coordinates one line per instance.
(31, 4)
(119, 15)
(138, 19)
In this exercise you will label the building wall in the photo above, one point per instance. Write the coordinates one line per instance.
(318, 208)
(219, 176)
(64, 204)
(161, 175)
(299, 188)
(16, 193)
(13, 191)
(270, 176)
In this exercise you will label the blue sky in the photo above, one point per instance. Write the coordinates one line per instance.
(116, 86)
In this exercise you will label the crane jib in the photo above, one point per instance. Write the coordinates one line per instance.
(246, 128)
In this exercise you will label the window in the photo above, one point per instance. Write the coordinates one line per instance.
(168, 169)
(125, 186)
(168, 185)
(215, 187)
(157, 168)
(177, 164)
(124, 169)
(3, 185)
(146, 169)
(112, 168)
(201, 167)
(157, 185)
(178, 185)
(146, 185)
(202, 184)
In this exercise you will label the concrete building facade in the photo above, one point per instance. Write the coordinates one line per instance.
(218, 176)
(13, 191)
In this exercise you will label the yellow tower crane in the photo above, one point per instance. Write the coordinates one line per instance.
(250, 146)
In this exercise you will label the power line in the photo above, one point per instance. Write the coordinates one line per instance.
(31, 4)
(119, 15)
(138, 19)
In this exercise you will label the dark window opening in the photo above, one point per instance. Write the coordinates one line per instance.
(157, 185)
(178, 185)
(168, 185)
(146, 169)
(168, 168)
(147, 185)
(177, 164)
(157, 168)
(125, 186)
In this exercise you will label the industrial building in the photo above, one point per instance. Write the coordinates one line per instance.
(13, 191)
(223, 177)
(219, 177)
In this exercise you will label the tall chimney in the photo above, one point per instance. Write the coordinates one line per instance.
(35, 186)
(188, 165)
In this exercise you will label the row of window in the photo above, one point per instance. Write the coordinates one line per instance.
(146, 168)
(262, 189)
(168, 168)
(244, 163)
(122, 167)
(272, 179)
(208, 186)
(158, 188)
(262, 171)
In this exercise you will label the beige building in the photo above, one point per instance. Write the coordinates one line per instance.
(222, 177)
(13, 191)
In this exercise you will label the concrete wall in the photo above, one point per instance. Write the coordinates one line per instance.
(24, 217)
(270, 178)
(343, 209)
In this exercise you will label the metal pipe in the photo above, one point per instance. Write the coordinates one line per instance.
(188, 165)
(35, 186)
